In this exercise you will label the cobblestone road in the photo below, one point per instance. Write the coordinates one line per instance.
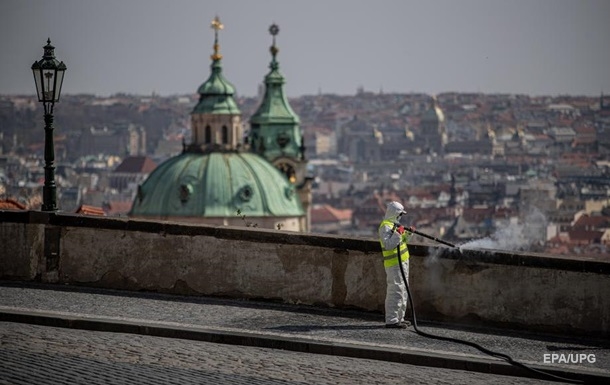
(40, 355)
(291, 320)
(43, 355)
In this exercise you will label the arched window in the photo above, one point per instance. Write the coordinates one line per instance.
(208, 134)
(225, 135)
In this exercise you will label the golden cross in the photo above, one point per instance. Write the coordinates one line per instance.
(216, 26)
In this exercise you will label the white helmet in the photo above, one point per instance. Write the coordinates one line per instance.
(394, 210)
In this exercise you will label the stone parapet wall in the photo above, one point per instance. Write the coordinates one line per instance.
(493, 288)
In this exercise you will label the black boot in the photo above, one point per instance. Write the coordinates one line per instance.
(399, 325)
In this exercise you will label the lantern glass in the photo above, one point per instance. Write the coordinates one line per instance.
(59, 79)
(48, 81)
(36, 70)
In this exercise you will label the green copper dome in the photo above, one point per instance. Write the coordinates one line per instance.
(216, 94)
(434, 114)
(216, 184)
(216, 83)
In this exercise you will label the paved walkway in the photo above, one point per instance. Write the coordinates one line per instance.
(354, 346)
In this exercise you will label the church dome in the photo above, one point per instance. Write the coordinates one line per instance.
(216, 184)
(216, 84)
(216, 93)
(434, 115)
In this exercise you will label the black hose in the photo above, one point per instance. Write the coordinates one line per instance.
(472, 344)
(431, 237)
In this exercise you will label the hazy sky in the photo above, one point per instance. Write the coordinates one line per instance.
(335, 46)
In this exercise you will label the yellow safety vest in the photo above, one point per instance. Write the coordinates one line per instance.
(390, 258)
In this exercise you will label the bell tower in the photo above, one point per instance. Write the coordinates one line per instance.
(433, 133)
(275, 132)
(216, 119)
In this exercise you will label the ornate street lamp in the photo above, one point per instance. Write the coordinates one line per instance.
(49, 76)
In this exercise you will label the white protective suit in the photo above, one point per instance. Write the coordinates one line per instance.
(390, 238)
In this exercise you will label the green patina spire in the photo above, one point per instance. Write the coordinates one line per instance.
(275, 130)
(216, 94)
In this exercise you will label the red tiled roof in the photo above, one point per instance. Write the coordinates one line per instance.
(585, 236)
(585, 129)
(118, 207)
(477, 214)
(136, 164)
(327, 213)
(11, 204)
(587, 222)
(90, 210)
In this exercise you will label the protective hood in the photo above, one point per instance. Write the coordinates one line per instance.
(393, 210)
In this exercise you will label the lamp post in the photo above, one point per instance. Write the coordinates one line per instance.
(49, 76)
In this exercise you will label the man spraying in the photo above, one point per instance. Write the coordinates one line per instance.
(394, 236)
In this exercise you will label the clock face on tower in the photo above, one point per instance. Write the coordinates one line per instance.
(288, 170)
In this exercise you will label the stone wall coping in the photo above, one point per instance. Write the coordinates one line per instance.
(365, 245)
